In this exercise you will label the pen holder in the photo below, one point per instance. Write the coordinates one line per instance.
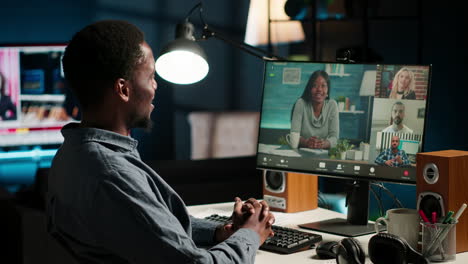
(439, 242)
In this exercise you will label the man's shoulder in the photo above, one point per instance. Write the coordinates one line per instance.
(406, 129)
(90, 156)
(388, 129)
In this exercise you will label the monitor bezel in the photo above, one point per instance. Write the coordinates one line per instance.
(339, 175)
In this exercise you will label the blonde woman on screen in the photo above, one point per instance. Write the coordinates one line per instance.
(403, 85)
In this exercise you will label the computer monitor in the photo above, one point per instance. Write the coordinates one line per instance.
(352, 121)
(32, 96)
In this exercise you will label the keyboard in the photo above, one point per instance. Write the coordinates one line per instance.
(286, 240)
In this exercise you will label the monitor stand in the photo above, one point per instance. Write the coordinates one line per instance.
(356, 224)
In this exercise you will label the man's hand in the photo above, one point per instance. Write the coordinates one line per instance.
(260, 220)
(389, 163)
(241, 215)
(398, 159)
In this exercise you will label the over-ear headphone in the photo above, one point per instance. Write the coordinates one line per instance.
(347, 251)
(384, 248)
(387, 248)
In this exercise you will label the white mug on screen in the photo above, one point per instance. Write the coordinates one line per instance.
(293, 139)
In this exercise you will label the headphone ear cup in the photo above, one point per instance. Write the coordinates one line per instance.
(355, 253)
(387, 248)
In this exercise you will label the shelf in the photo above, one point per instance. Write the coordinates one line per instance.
(43, 97)
(339, 74)
(352, 112)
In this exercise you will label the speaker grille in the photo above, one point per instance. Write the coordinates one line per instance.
(275, 181)
(430, 202)
(431, 173)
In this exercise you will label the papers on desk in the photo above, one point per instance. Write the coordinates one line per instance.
(279, 150)
(315, 151)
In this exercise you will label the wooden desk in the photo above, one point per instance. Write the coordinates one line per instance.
(292, 220)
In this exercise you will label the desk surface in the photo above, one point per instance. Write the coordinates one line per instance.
(292, 220)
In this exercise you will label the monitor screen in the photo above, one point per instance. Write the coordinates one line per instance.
(363, 122)
(359, 121)
(32, 95)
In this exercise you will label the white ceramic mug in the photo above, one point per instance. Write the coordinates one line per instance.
(293, 139)
(402, 222)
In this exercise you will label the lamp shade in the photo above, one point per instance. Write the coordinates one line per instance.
(368, 83)
(182, 61)
(282, 31)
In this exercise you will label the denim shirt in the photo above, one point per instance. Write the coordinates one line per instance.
(107, 206)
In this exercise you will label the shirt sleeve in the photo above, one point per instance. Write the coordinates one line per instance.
(297, 115)
(203, 231)
(404, 158)
(334, 124)
(381, 158)
(131, 221)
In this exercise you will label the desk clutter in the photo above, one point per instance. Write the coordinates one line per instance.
(285, 241)
(439, 235)
(383, 248)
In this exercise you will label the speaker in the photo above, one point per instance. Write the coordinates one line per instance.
(290, 192)
(442, 186)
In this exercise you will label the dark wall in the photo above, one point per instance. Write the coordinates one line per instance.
(445, 48)
(234, 82)
(227, 86)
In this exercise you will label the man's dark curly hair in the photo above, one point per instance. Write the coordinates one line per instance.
(98, 55)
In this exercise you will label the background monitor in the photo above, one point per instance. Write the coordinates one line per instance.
(346, 123)
(32, 96)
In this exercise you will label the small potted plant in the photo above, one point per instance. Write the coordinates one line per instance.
(341, 102)
(339, 151)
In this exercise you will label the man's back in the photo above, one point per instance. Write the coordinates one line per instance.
(108, 206)
(90, 174)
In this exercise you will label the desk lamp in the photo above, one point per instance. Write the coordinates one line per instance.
(183, 61)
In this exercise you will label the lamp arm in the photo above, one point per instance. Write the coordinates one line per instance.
(262, 54)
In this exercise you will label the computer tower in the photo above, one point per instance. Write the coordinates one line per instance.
(290, 192)
(442, 186)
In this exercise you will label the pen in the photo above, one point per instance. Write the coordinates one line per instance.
(459, 212)
(440, 236)
(448, 217)
(423, 216)
(434, 217)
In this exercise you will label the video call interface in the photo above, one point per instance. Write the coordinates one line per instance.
(32, 95)
(345, 120)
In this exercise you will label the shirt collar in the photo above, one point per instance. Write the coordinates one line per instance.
(74, 132)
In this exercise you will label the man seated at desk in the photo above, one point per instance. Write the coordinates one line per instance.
(104, 203)
(393, 157)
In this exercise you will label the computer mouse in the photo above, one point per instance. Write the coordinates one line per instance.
(327, 250)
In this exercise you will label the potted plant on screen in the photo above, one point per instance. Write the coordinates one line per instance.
(339, 151)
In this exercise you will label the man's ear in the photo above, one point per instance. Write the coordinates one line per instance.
(122, 89)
